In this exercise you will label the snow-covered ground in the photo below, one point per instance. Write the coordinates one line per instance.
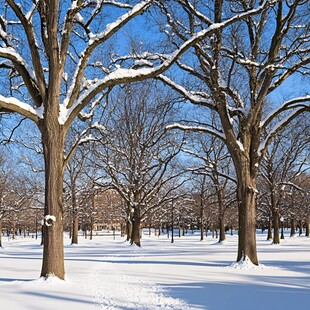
(104, 273)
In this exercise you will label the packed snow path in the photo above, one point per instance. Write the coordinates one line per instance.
(113, 290)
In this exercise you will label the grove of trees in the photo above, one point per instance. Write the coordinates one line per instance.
(216, 104)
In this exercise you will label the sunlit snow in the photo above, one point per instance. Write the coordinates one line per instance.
(108, 273)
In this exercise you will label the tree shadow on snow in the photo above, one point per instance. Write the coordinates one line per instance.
(13, 280)
(273, 294)
(78, 299)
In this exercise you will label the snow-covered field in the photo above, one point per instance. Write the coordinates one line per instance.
(110, 274)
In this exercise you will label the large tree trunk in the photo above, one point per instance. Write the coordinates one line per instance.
(53, 143)
(136, 221)
(246, 191)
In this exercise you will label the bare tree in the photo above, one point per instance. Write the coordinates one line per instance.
(59, 40)
(136, 151)
(233, 73)
(284, 160)
(214, 163)
(76, 180)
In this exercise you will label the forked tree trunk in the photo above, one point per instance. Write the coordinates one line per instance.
(53, 144)
(246, 191)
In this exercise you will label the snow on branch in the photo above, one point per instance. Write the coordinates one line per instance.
(75, 101)
(30, 13)
(85, 116)
(24, 70)
(213, 132)
(291, 184)
(82, 138)
(16, 58)
(195, 98)
(296, 103)
(290, 71)
(94, 41)
(11, 104)
(38, 74)
(279, 126)
(118, 4)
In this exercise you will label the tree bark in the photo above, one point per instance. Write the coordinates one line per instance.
(136, 221)
(53, 146)
(269, 235)
(221, 215)
(75, 228)
(14, 231)
(0, 233)
(201, 207)
(75, 217)
(300, 227)
(128, 222)
(276, 232)
(246, 192)
(293, 232)
(307, 228)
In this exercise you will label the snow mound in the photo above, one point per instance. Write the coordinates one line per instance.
(51, 281)
(246, 264)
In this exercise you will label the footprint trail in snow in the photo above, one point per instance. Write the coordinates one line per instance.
(114, 290)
